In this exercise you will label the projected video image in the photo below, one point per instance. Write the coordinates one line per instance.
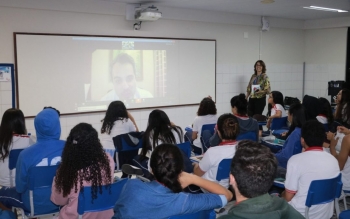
(127, 74)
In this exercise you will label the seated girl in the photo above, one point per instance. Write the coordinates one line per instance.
(117, 121)
(228, 129)
(239, 105)
(206, 115)
(13, 135)
(84, 163)
(277, 110)
(342, 112)
(292, 145)
(163, 197)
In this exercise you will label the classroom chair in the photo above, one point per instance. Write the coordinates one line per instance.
(40, 182)
(13, 157)
(346, 193)
(324, 191)
(223, 169)
(206, 133)
(344, 214)
(126, 153)
(186, 148)
(104, 201)
(247, 136)
(206, 214)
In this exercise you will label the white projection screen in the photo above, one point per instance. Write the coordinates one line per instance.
(79, 73)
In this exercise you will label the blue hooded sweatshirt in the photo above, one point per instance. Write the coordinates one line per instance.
(46, 152)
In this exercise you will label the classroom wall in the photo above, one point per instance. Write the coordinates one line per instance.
(281, 48)
(325, 59)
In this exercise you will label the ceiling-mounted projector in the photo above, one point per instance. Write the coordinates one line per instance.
(150, 13)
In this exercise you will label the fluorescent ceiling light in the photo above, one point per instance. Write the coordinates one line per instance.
(325, 9)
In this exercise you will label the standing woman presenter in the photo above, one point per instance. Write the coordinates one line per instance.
(258, 87)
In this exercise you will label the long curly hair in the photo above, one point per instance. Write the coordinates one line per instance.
(12, 122)
(116, 111)
(206, 107)
(167, 164)
(83, 159)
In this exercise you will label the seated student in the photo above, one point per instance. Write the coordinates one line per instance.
(164, 197)
(303, 168)
(13, 135)
(84, 163)
(326, 115)
(45, 152)
(277, 110)
(117, 121)
(312, 107)
(342, 112)
(206, 115)
(296, 117)
(342, 155)
(253, 170)
(239, 105)
(228, 130)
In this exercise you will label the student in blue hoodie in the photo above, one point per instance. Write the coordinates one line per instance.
(46, 152)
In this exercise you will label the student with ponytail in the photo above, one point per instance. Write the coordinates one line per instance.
(163, 197)
(228, 129)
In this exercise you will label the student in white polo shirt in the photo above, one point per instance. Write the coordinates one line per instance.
(303, 168)
(228, 129)
(277, 110)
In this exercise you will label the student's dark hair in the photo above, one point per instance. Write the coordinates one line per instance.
(345, 106)
(313, 133)
(228, 126)
(159, 128)
(116, 111)
(327, 110)
(12, 122)
(50, 107)
(241, 103)
(83, 159)
(277, 97)
(167, 164)
(262, 63)
(254, 168)
(206, 107)
(298, 117)
(123, 58)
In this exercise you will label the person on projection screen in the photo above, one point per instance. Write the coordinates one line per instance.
(124, 80)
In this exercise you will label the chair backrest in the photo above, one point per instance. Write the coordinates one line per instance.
(206, 133)
(126, 147)
(209, 127)
(223, 169)
(13, 157)
(278, 123)
(206, 214)
(39, 184)
(324, 191)
(186, 148)
(247, 136)
(103, 202)
(344, 214)
(127, 153)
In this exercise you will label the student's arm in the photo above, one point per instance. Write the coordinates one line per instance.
(197, 170)
(194, 135)
(288, 195)
(277, 115)
(343, 155)
(344, 130)
(292, 179)
(133, 120)
(187, 179)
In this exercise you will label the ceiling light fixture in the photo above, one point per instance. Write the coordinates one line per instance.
(267, 1)
(325, 9)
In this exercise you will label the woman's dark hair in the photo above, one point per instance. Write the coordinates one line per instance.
(12, 122)
(326, 110)
(298, 117)
(241, 103)
(83, 159)
(277, 99)
(228, 126)
(167, 164)
(159, 128)
(262, 63)
(345, 93)
(206, 107)
(116, 111)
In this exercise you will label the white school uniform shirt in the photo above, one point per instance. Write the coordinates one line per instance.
(198, 122)
(120, 127)
(212, 158)
(278, 107)
(302, 169)
(322, 119)
(18, 142)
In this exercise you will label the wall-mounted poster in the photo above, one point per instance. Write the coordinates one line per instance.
(5, 72)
